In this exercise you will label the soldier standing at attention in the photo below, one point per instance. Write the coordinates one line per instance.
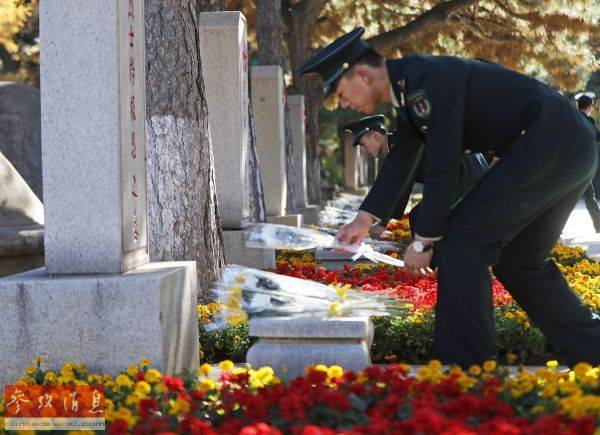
(513, 216)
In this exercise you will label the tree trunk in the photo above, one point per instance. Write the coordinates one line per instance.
(269, 32)
(209, 6)
(301, 18)
(270, 52)
(184, 222)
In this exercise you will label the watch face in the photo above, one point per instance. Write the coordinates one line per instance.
(418, 246)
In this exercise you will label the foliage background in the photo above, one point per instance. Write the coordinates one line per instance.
(557, 41)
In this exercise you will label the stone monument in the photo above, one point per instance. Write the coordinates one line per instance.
(352, 166)
(295, 104)
(268, 105)
(223, 42)
(98, 300)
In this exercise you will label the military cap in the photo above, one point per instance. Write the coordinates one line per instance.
(585, 97)
(334, 60)
(363, 125)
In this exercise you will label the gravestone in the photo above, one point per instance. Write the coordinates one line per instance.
(352, 165)
(268, 105)
(295, 104)
(224, 47)
(20, 134)
(98, 300)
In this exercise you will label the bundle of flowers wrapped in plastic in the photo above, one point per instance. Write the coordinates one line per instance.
(272, 236)
(244, 292)
(343, 203)
(335, 217)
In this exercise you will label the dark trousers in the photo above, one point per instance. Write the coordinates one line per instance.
(592, 206)
(511, 220)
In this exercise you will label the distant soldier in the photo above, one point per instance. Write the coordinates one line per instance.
(374, 140)
(585, 104)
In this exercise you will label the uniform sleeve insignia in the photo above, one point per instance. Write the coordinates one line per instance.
(419, 103)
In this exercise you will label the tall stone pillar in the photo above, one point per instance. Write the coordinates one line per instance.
(88, 298)
(224, 53)
(295, 104)
(268, 105)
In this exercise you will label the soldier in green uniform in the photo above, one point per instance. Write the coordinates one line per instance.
(513, 216)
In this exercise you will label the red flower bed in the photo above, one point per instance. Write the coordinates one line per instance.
(422, 293)
(376, 401)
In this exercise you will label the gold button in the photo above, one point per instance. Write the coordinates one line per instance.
(346, 65)
(467, 151)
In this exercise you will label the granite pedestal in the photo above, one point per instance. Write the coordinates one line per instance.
(105, 321)
(289, 345)
(335, 260)
(236, 252)
(310, 214)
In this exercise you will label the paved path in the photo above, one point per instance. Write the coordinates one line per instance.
(579, 231)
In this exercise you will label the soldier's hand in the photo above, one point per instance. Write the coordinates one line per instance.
(356, 230)
(417, 264)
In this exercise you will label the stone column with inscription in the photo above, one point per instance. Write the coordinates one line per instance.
(295, 106)
(268, 105)
(224, 50)
(98, 300)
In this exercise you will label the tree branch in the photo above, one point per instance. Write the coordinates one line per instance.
(434, 17)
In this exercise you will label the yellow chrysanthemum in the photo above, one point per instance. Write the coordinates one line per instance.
(152, 376)
(205, 369)
(334, 372)
(226, 365)
(475, 370)
(143, 388)
(489, 366)
(123, 381)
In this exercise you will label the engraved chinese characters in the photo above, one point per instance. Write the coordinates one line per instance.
(133, 154)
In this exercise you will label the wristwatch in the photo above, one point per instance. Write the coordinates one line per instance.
(420, 247)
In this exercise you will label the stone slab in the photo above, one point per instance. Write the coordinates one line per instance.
(105, 321)
(311, 327)
(268, 99)
(291, 220)
(20, 241)
(236, 252)
(20, 131)
(223, 40)
(19, 206)
(290, 358)
(310, 214)
(93, 129)
(19, 264)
